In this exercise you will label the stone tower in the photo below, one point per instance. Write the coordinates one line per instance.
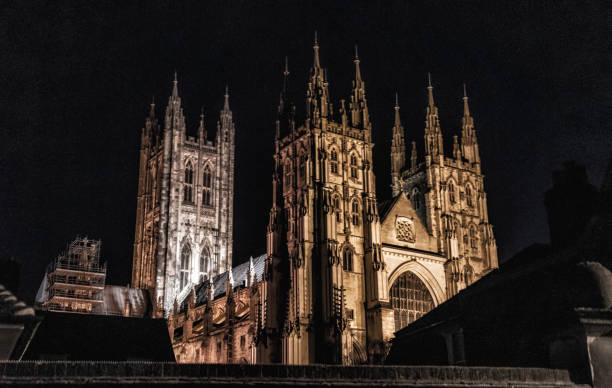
(448, 195)
(185, 203)
(323, 233)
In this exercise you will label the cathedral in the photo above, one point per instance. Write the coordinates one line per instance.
(184, 212)
(343, 270)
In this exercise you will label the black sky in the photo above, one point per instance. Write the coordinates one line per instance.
(76, 79)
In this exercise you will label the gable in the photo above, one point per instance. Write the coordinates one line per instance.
(401, 226)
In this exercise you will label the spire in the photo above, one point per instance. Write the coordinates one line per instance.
(317, 95)
(469, 143)
(466, 108)
(152, 110)
(317, 63)
(433, 135)
(398, 151)
(357, 69)
(230, 277)
(202, 130)
(174, 110)
(226, 103)
(252, 276)
(358, 104)
(397, 115)
(175, 86)
(430, 91)
(413, 156)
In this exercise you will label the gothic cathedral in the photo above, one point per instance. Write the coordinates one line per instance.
(184, 213)
(343, 271)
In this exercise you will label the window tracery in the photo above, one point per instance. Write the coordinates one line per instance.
(410, 299)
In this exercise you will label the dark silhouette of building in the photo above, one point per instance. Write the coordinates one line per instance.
(544, 308)
(569, 204)
(65, 336)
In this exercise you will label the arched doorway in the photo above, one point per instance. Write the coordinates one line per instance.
(410, 299)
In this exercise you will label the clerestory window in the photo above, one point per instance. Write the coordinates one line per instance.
(207, 187)
(188, 186)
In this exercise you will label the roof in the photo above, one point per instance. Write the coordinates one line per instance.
(71, 336)
(115, 297)
(385, 206)
(239, 274)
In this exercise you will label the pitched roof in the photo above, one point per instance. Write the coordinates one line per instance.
(239, 273)
(385, 206)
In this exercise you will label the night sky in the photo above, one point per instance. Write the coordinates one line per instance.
(76, 80)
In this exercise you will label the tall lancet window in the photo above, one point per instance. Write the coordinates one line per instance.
(207, 187)
(354, 164)
(334, 161)
(416, 198)
(188, 187)
(204, 262)
(451, 192)
(303, 160)
(355, 210)
(468, 196)
(347, 259)
(287, 180)
(185, 265)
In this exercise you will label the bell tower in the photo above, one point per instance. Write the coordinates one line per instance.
(323, 234)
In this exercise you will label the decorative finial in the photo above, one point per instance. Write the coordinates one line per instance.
(356, 53)
(316, 41)
(202, 113)
(429, 80)
(226, 90)
(396, 100)
(464, 90)
(175, 76)
(286, 72)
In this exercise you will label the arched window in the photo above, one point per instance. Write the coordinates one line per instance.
(416, 198)
(451, 192)
(334, 161)
(338, 208)
(303, 161)
(185, 265)
(410, 299)
(473, 237)
(468, 195)
(204, 261)
(287, 180)
(207, 187)
(347, 259)
(354, 164)
(355, 211)
(188, 188)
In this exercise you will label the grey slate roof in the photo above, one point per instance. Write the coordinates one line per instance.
(239, 273)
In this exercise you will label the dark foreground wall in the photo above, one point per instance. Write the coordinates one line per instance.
(80, 373)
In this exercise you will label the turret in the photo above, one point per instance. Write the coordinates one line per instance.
(398, 151)
(202, 134)
(433, 135)
(175, 120)
(469, 143)
(317, 95)
(358, 104)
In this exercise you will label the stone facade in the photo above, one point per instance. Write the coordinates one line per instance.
(343, 272)
(448, 195)
(185, 203)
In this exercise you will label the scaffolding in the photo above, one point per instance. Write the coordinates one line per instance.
(75, 280)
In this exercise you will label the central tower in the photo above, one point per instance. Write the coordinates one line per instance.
(323, 245)
(185, 204)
